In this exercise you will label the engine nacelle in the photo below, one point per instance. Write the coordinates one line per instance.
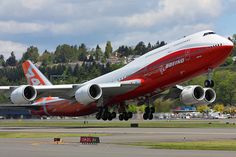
(210, 96)
(192, 94)
(88, 93)
(23, 94)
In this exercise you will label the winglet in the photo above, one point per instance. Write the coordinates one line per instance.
(33, 75)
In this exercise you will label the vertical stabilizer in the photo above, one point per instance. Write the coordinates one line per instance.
(33, 75)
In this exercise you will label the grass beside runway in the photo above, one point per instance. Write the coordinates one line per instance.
(191, 145)
(117, 124)
(43, 135)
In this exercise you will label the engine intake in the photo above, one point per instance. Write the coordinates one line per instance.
(23, 95)
(210, 96)
(192, 94)
(88, 93)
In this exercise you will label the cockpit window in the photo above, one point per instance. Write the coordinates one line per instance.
(208, 33)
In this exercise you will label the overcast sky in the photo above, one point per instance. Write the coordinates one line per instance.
(48, 23)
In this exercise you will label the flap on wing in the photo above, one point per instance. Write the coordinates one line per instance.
(117, 88)
(63, 91)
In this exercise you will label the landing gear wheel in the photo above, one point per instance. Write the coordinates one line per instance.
(98, 116)
(212, 83)
(130, 115)
(113, 115)
(145, 116)
(121, 117)
(209, 83)
(109, 116)
(150, 117)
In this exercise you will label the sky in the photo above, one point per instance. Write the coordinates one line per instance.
(49, 23)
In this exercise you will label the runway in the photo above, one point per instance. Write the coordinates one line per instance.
(110, 146)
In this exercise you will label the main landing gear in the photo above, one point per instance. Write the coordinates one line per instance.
(104, 114)
(209, 82)
(149, 110)
(148, 114)
(124, 115)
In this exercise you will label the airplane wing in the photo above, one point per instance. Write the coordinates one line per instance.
(68, 91)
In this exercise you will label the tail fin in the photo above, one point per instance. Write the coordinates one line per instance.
(33, 75)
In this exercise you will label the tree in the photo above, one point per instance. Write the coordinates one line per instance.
(163, 105)
(98, 53)
(224, 86)
(140, 48)
(2, 61)
(218, 108)
(65, 53)
(31, 54)
(203, 108)
(11, 61)
(108, 49)
(83, 52)
(46, 58)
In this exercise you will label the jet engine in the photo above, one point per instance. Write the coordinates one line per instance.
(192, 94)
(23, 94)
(210, 96)
(88, 93)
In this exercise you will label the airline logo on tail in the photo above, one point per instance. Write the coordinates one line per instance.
(33, 75)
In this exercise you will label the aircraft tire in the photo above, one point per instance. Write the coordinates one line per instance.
(130, 115)
(121, 117)
(109, 116)
(207, 83)
(113, 115)
(145, 116)
(98, 116)
(150, 116)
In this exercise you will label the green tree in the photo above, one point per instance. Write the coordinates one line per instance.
(2, 61)
(11, 61)
(203, 108)
(108, 49)
(65, 53)
(140, 48)
(218, 108)
(46, 58)
(98, 53)
(83, 52)
(225, 86)
(163, 105)
(31, 54)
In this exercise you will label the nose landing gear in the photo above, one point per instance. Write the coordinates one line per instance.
(209, 82)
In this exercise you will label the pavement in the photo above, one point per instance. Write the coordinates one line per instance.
(109, 145)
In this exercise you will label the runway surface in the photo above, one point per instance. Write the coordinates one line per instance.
(29, 147)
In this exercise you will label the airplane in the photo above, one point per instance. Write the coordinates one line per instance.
(143, 79)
